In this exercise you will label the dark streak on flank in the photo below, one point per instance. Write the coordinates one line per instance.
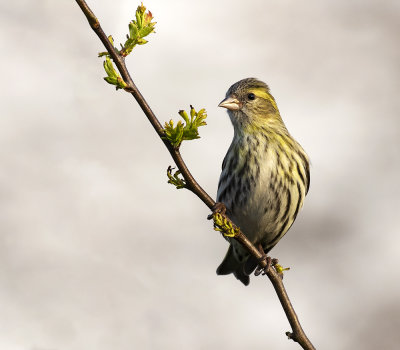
(278, 160)
(281, 232)
(306, 166)
(221, 197)
(283, 151)
(245, 165)
(308, 177)
(239, 184)
(257, 170)
(223, 178)
(252, 180)
(233, 163)
(232, 207)
(237, 195)
(298, 201)
(266, 140)
(289, 178)
(276, 200)
(288, 204)
(301, 174)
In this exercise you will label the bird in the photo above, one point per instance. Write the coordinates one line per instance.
(265, 175)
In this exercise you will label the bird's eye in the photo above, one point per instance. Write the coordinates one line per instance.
(251, 96)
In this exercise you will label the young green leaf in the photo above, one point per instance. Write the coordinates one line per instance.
(174, 179)
(187, 130)
(112, 76)
(138, 29)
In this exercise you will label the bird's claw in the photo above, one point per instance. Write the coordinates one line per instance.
(264, 270)
(218, 207)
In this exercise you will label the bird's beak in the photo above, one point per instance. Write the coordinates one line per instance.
(230, 103)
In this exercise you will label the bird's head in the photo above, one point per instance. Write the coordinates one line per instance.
(249, 102)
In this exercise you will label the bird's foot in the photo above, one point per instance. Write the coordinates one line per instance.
(219, 208)
(269, 262)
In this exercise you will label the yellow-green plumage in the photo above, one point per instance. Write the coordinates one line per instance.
(265, 174)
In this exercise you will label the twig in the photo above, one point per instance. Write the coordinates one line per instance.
(297, 333)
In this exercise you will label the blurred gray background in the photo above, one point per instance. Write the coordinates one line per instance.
(98, 252)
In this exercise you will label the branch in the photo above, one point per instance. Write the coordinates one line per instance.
(118, 57)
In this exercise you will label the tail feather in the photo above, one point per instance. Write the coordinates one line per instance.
(250, 265)
(231, 265)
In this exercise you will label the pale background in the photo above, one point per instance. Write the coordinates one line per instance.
(98, 252)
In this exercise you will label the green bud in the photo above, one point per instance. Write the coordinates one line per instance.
(112, 76)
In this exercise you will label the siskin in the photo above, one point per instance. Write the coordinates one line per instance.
(265, 175)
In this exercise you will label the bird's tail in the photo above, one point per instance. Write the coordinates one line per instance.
(231, 265)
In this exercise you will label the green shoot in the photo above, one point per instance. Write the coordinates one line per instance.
(142, 27)
(138, 30)
(112, 76)
(187, 130)
(174, 179)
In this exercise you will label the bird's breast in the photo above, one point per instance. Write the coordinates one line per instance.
(259, 187)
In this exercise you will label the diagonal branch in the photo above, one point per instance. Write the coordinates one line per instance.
(297, 333)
